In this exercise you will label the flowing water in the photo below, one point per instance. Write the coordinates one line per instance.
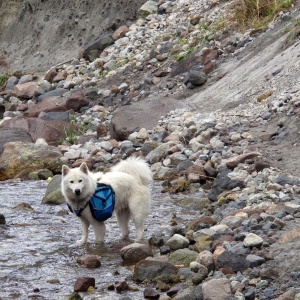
(37, 247)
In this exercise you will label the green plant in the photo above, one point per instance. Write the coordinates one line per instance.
(72, 131)
(293, 33)
(3, 79)
(184, 54)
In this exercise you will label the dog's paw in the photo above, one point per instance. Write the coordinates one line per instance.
(80, 243)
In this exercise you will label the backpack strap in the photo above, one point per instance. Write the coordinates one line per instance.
(77, 211)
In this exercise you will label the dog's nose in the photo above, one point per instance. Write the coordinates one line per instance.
(77, 192)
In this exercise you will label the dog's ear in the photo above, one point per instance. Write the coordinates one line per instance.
(84, 168)
(65, 170)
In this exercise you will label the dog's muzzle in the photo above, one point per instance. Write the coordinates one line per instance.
(77, 192)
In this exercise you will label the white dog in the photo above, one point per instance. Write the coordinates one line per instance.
(129, 180)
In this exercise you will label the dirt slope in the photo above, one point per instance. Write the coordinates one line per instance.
(35, 35)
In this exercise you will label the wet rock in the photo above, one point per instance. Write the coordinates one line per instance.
(53, 193)
(2, 219)
(216, 289)
(150, 293)
(183, 256)
(23, 206)
(149, 269)
(83, 283)
(201, 222)
(135, 252)
(121, 286)
(74, 296)
(89, 261)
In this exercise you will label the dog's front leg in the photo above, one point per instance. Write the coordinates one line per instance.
(99, 230)
(85, 226)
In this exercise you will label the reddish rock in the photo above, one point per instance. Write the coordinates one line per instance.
(50, 75)
(232, 162)
(83, 283)
(209, 55)
(209, 67)
(60, 76)
(159, 57)
(135, 252)
(161, 73)
(120, 32)
(49, 104)
(52, 131)
(76, 101)
(89, 261)
(22, 107)
(25, 90)
(101, 131)
(78, 162)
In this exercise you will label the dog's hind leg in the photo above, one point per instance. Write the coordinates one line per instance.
(123, 217)
(85, 226)
(99, 230)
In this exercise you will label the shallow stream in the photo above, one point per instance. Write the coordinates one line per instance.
(38, 253)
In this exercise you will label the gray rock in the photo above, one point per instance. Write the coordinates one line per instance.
(183, 256)
(216, 289)
(149, 269)
(96, 46)
(53, 193)
(11, 82)
(232, 261)
(197, 77)
(177, 241)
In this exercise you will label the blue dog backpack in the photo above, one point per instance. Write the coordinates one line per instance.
(102, 203)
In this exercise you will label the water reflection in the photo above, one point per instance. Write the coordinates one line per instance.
(38, 255)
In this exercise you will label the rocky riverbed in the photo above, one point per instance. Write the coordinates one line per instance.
(222, 143)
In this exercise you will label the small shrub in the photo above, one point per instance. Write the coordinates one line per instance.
(183, 54)
(258, 13)
(3, 79)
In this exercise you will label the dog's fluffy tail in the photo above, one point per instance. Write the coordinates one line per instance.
(136, 167)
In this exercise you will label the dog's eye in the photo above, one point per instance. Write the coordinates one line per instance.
(80, 180)
(71, 181)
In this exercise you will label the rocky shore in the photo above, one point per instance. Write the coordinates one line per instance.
(126, 96)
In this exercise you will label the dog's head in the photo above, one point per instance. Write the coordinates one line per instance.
(75, 180)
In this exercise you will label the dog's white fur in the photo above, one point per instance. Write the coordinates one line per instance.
(129, 179)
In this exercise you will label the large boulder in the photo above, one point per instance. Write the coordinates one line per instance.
(49, 104)
(13, 135)
(17, 157)
(53, 131)
(144, 114)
